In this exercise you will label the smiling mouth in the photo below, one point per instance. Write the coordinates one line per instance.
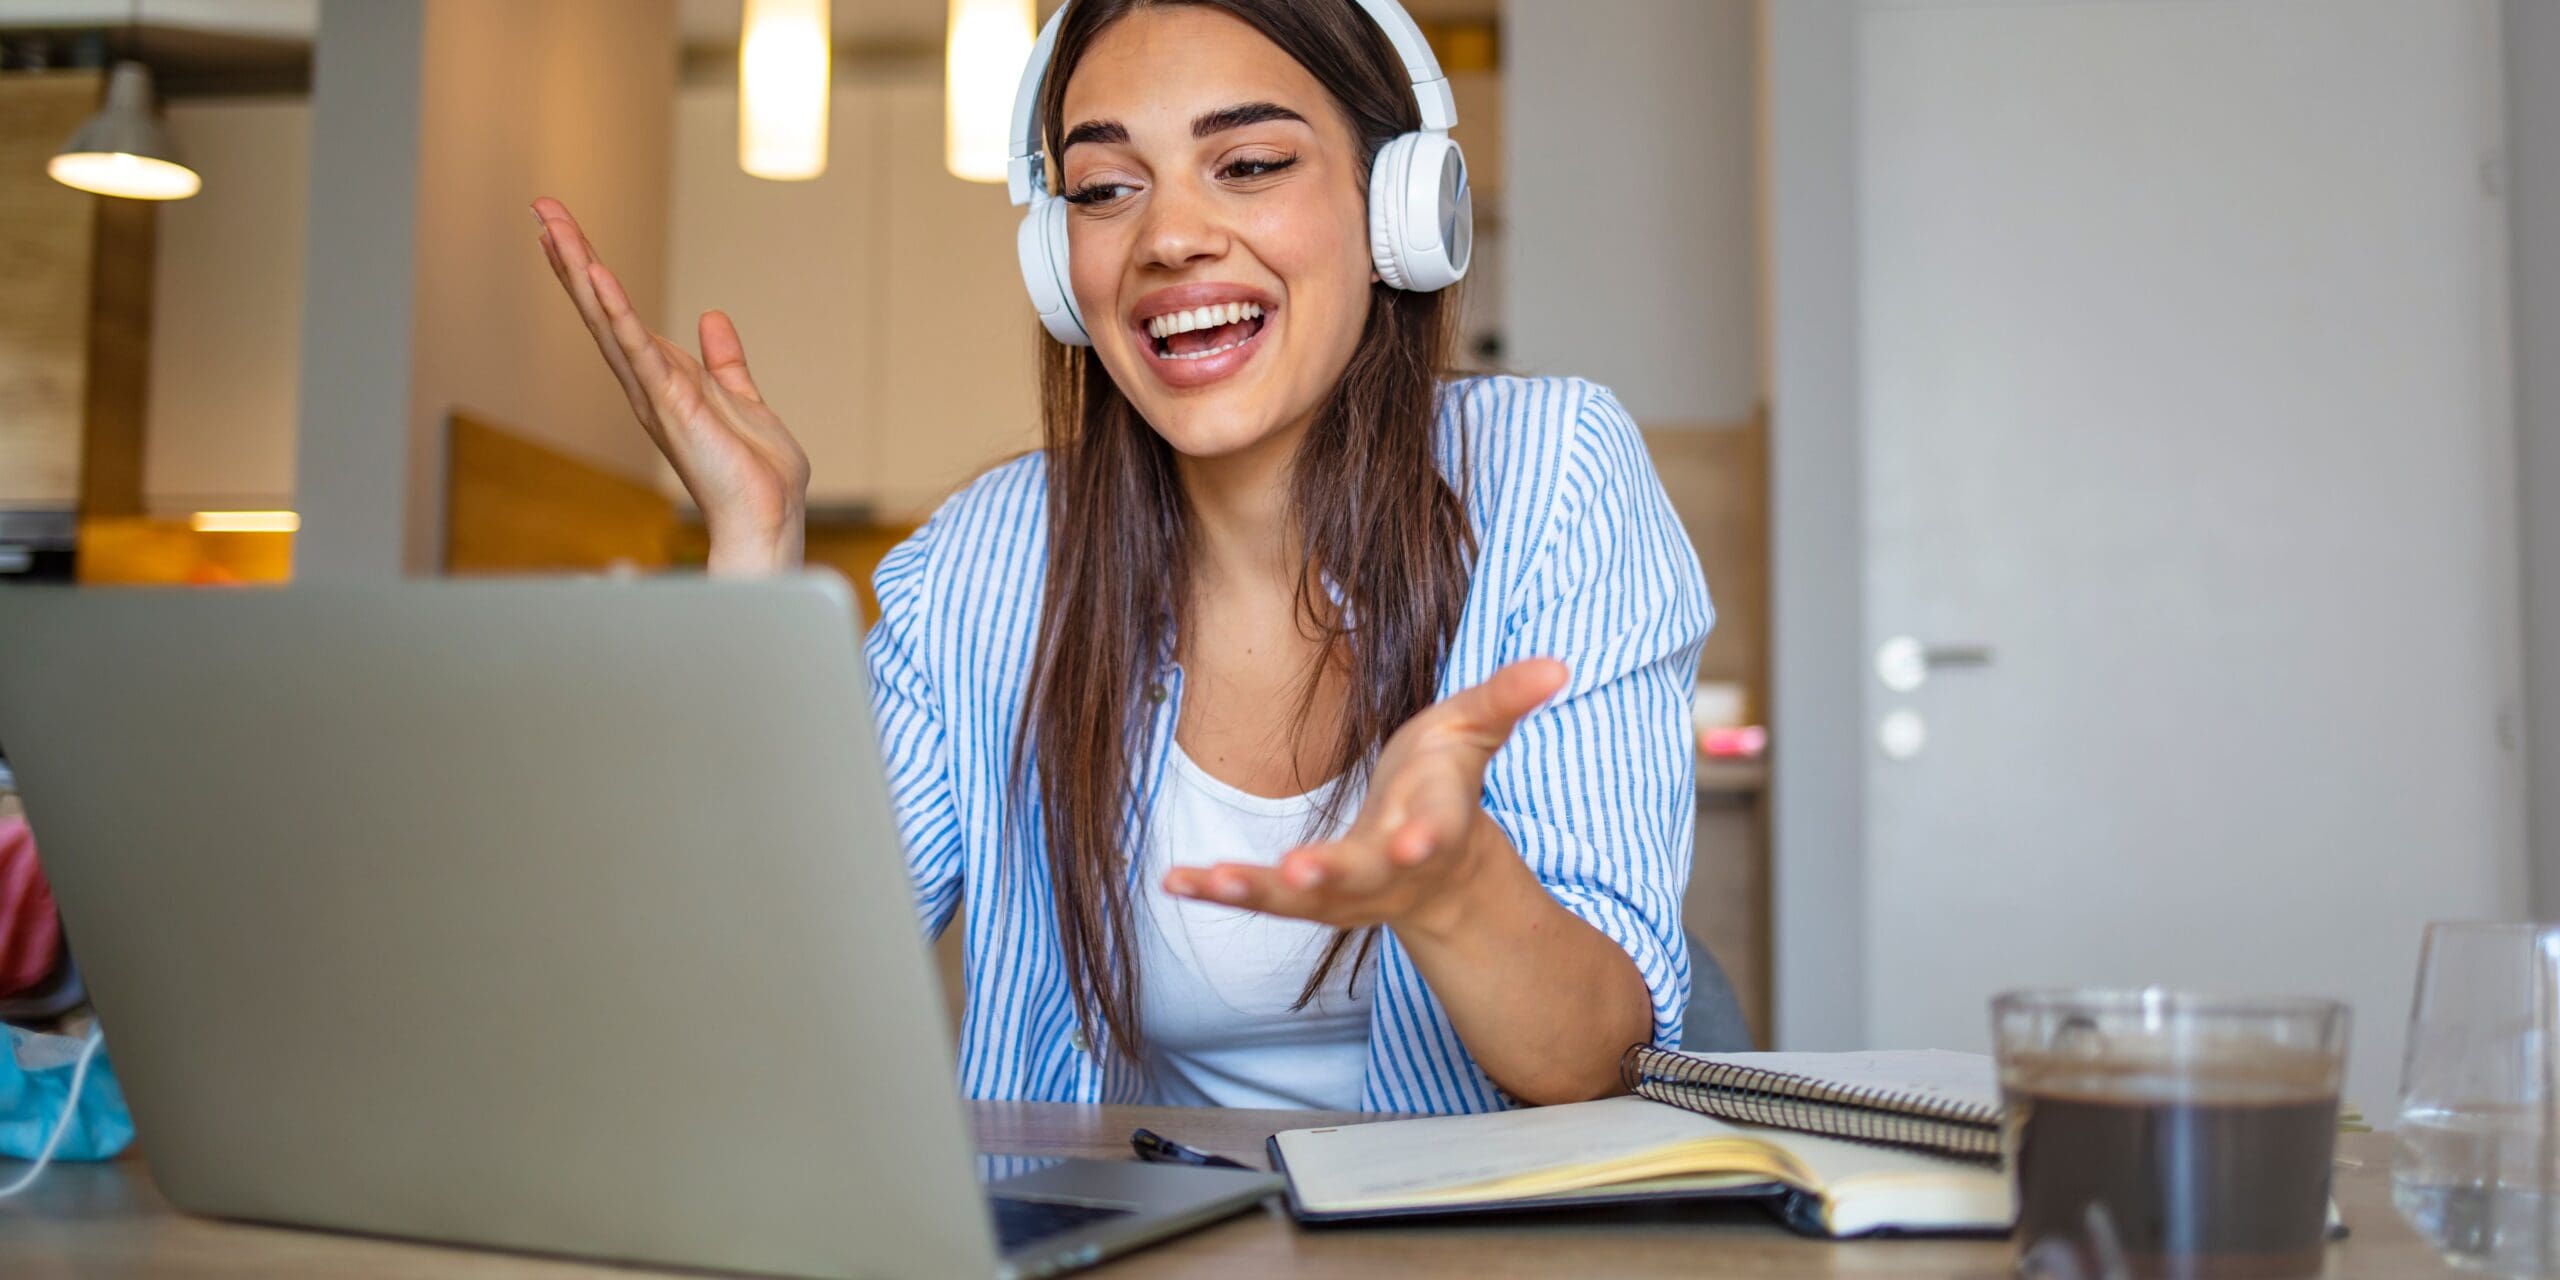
(1201, 332)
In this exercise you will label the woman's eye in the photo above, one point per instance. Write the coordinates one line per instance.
(1256, 167)
(1098, 192)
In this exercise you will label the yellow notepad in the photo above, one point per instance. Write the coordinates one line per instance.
(1625, 1149)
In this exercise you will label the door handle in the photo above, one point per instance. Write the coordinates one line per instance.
(1903, 663)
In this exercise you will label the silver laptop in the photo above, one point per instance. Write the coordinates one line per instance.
(564, 916)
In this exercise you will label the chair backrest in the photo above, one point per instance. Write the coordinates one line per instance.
(1714, 1023)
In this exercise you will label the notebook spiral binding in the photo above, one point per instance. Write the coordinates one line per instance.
(1748, 1095)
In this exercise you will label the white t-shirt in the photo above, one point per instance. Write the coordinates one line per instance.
(1215, 983)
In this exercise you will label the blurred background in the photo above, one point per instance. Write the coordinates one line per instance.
(2122, 437)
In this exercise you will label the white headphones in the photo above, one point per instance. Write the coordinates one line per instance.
(1421, 214)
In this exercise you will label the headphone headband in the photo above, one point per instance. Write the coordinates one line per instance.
(1026, 169)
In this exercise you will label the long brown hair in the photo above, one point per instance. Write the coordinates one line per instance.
(1377, 522)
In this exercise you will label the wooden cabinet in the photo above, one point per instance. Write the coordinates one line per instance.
(75, 313)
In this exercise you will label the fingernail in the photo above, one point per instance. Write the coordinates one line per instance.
(537, 217)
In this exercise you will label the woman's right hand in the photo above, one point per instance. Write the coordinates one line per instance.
(739, 462)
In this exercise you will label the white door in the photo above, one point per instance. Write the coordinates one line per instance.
(2186, 399)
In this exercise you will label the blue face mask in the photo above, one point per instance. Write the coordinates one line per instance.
(59, 1100)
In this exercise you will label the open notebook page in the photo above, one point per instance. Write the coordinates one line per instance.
(1400, 1163)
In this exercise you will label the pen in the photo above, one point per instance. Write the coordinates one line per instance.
(1155, 1148)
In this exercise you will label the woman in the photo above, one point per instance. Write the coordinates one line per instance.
(1220, 707)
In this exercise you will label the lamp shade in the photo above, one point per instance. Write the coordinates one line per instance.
(982, 67)
(122, 150)
(783, 66)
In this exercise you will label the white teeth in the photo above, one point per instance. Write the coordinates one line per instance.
(1203, 355)
(1173, 322)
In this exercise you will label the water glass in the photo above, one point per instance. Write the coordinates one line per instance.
(2477, 1164)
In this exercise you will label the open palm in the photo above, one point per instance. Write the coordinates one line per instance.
(745, 472)
(1421, 831)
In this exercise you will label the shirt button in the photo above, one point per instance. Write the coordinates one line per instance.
(1155, 693)
(1076, 1038)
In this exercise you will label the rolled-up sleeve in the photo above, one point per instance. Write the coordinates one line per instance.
(1597, 788)
(913, 745)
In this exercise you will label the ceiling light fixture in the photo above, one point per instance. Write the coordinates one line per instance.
(982, 66)
(783, 65)
(122, 151)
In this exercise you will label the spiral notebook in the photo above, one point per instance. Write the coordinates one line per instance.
(1928, 1100)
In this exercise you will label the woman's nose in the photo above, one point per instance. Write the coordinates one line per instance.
(1182, 227)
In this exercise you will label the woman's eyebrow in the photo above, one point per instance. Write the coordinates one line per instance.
(1207, 125)
(1240, 115)
(1106, 131)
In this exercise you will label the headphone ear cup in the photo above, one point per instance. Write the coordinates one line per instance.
(1421, 213)
(1387, 176)
(1041, 244)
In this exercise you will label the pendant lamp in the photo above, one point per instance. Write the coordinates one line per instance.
(783, 67)
(122, 151)
(982, 66)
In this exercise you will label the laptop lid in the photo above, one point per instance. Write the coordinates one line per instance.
(558, 915)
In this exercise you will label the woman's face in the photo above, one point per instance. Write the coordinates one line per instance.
(1217, 227)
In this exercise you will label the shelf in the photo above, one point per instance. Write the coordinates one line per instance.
(1741, 778)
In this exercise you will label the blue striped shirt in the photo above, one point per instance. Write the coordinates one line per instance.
(1579, 557)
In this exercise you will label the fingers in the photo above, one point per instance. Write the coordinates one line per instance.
(1341, 882)
(1494, 708)
(565, 246)
(726, 357)
(1247, 888)
(673, 399)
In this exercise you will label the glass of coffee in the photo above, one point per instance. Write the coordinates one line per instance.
(2155, 1133)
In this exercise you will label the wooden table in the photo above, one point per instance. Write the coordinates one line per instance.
(107, 1222)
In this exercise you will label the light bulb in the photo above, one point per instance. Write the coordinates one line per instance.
(121, 173)
(783, 65)
(122, 151)
(982, 67)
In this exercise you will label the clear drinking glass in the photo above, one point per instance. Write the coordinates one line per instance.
(2475, 1172)
(2156, 1133)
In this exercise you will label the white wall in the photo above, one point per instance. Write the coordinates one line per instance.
(880, 303)
(570, 98)
(435, 126)
(226, 319)
(1632, 201)
(1817, 532)
(2533, 86)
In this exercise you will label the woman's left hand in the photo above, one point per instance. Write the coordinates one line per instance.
(1422, 840)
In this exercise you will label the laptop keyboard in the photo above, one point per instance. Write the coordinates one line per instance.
(1021, 1222)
